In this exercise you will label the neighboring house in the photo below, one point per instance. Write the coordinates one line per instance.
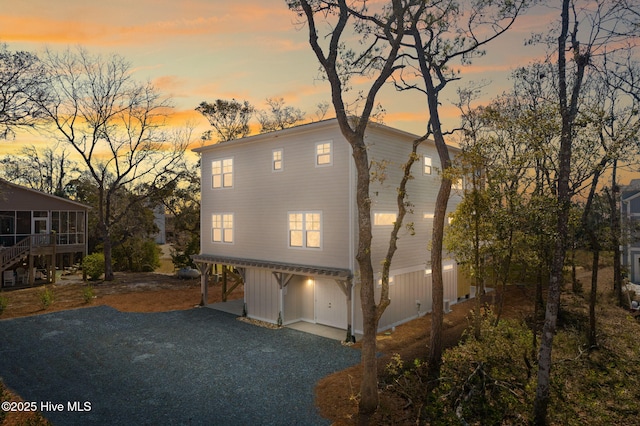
(280, 209)
(159, 219)
(630, 206)
(39, 233)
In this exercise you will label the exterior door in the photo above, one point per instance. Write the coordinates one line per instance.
(40, 226)
(330, 304)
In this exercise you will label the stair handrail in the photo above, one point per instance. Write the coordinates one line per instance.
(16, 250)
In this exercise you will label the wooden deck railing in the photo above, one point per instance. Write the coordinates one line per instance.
(9, 255)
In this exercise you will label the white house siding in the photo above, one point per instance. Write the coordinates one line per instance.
(409, 289)
(298, 300)
(422, 191)
(262, 295)
(261, 198)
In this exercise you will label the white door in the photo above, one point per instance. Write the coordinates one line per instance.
(330, 304)
(40, 226)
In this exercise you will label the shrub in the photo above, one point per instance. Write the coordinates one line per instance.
(136, 255)
(3, 303)
(93, 265)
(88, 294)
(46, 297)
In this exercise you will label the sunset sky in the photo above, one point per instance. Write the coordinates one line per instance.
(202, 50)
(199, 50)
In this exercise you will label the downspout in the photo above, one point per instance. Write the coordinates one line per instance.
(352, 247)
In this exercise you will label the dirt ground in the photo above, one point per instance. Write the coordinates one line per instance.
(336, 395)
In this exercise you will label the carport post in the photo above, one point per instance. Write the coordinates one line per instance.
(204, 269)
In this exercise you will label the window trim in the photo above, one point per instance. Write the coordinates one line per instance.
(424, 165)
(377, 215)
(317, 155)
(223, 228)
(222, 173)
(304, 230)
(274, 161)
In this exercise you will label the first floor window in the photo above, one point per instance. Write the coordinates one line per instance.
(305, 230)
(384, 219)
(222, 228)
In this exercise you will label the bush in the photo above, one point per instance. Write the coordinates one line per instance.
(88, 294)
(93, 265)
(46, 297)
(136, 255)
(3, 303)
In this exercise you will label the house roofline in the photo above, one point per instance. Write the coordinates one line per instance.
(304, 128)
(34, 191)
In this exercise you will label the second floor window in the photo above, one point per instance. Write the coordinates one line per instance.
(305, 230)
(426, 163)
(222, 173)
(276, 160)
(222, 228)
(323, 154)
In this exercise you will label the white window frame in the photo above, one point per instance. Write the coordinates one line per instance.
(303, 227)
(321, 155)
(277, 164)
(222, 174)
(391, 280)
(382, 218)
(427, 165)
(223, 223)
(458, 184)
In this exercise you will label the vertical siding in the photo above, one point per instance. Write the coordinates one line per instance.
(262, 295)
(409, 288)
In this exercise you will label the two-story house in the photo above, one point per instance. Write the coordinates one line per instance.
(281, 208)
(630, 206)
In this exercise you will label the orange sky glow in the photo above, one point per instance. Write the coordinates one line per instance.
(202, 50)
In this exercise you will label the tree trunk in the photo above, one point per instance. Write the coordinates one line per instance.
(108, 267)
(591, 334)
(437, 286)
(568, 111)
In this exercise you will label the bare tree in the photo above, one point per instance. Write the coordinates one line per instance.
(377, 62)
(115, 125)
(229, 119)
(48, 171)
(448, 30)
(606, 23)
(278, 116)
(21, 79)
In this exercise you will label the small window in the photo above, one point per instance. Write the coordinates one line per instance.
(384, 219)
(222, 228)
(429, 216)
(276, 160)
(222, 173)
(458, 184)
(426, 165)
(323, 154)
(391, 280)
(305, 230)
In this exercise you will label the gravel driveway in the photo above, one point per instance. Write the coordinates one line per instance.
(198, 366)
